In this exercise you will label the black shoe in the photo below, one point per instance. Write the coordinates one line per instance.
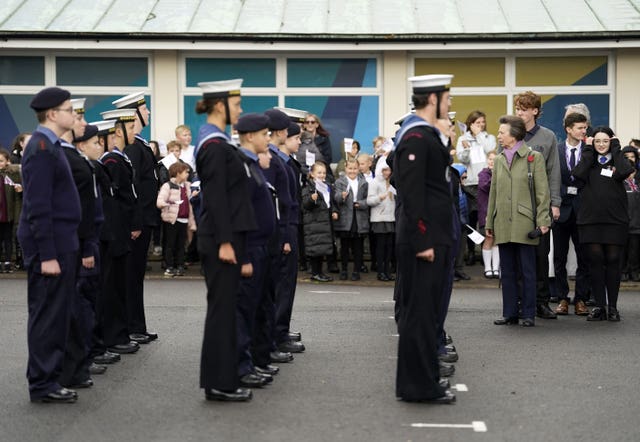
(554, 299)
(613, 315)
(291, 347)
(444, 383)
(344, 276)
(597, 314)
(295, 336)
(450, 348)
(320, 278)
(446, 370)
(448, 398)
(364, 269)
(139, 338)
(124, 349)
(97, 368)
(391, 277)
(449, 357)
(151, 335)
(591, 302)
(280, 357)
(382, 277)
(87, 383)
(61, 396)
(448, 340)
(506, 321)
(624, 277)
(268, 369)
(266, 376)
(180, 271)
(327, 277)
(528, 322)
(461, 275)
(107, 358)
(544, 311)
(355, 276)
(251, 380)
(239, 395)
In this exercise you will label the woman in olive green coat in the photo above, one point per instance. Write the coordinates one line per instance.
(510, 218)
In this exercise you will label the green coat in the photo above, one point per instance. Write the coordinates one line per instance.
(509, 213)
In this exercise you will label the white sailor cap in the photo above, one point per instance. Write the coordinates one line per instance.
(452, 115)
(78, 105)
(104, 126)
(400, 120)
(119, 115)
(131, 101)
(425, 84)
(221, 89)
(295, 115)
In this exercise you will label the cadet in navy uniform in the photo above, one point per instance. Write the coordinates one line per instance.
(254, 140)
(423, 239)
(114, 312)
(226, 217)
(47, 233)
(145, 217)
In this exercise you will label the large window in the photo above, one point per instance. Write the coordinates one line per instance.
(490, 83)
(343, 92)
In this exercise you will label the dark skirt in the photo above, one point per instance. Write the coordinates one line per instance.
(383, 227)
(616, 234)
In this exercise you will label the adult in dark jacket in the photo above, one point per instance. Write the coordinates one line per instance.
(603, 218)
(322, 141)
(631, 265)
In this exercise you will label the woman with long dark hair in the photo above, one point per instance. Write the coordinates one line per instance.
(603, 218)
(321, 139)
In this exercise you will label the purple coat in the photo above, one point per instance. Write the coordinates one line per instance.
(484, 185)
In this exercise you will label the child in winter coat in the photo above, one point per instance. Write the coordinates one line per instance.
(382, 200)
(10, 199)
(177, 215)
(316, 219)
(353, 217)
(490, 254)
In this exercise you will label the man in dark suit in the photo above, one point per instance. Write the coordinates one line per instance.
(48, 225)
(424, 239)
(566, 227)
(145, 216)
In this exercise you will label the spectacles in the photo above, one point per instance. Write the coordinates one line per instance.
(311, 122)
(601, 141)
(68, 109)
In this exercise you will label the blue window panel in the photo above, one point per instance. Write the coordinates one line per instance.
(15, 71)
(256, 72)
(354, 117)
(350, 72)
(15, 117)
(596, 77)
(248, 104)
(553, 111)
(101, 71)
(101, 103)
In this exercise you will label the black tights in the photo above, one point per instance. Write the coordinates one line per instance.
(384, 247)
(604, 266)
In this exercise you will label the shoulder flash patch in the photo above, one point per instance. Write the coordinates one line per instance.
(422, 227)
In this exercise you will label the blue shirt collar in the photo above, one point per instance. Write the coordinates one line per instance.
(48, 133)
(248, 153)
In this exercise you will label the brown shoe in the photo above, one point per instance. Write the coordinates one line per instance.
(563, 308)
(581, 308)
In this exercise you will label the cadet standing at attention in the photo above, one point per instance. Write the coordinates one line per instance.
(47, 233)
(423, 240)
(225, 219)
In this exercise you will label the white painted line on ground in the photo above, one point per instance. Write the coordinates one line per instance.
(388, 302)
(395, 336)
(477, 426)
(323, 292)
(460, 387)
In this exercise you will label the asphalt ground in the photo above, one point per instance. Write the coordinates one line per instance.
(564, 379)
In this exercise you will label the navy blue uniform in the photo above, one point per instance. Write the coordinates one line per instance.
(145, 219)
(251, 295)
(226, 217)
(48, 224)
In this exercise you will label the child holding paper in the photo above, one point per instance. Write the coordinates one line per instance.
(9, 199)
(382, 200)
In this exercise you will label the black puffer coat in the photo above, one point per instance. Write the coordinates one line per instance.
(316, 219)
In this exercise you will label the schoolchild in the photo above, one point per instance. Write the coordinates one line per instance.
(353, 217)
(10, 203)
(316, 219)
(382, 201)
(490, 253)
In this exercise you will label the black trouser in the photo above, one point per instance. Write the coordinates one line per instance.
(604, 265)
(632, 255)
(175, 240)
(286, 290)
(562, 234)
(135, 281)
(316, 264)
(112, 309)
(355, 244)
(458, 264)
(384, 245)
(542, 269)
(6, 241)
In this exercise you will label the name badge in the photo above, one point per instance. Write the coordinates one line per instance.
(607, 172)
(572, 190)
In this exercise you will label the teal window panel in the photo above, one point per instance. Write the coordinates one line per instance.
(102, 71)
(331, 72)
(256, 72)
(16, 71)
(101, 103)
(249, 104)
(15, 117)
(354, 117)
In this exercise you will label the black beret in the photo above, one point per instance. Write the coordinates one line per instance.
(49, 98)
(90, 131)
(252, 123)
(294, 129)
(278, 119)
